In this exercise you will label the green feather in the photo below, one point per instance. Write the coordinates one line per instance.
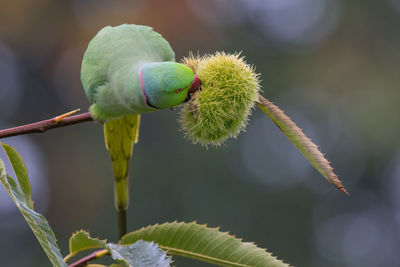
(111, 67)
(120, 135)
(118, 62)
(167, 83)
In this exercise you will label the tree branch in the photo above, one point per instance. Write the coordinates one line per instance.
(42, 126)
(95, 255)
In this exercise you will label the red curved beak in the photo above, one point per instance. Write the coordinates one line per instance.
(196, 85)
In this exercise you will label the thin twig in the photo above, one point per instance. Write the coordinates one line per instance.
(42, 126)
(121, 223)
(95, 255)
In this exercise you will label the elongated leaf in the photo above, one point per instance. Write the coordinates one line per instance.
(139, 254)
(301, 142)
(199, 242)
(20, 172)
(36, 221)
(81, 241)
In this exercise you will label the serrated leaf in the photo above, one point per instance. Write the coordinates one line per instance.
(202, 243)
(21, 173)
(36, 221)
(301, 142)
(139, 254)
(81, 241)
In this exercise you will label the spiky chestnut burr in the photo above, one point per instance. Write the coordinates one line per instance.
(228, 93)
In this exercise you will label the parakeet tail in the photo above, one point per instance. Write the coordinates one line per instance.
(120, 135)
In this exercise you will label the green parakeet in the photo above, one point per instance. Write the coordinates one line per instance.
(128, 70)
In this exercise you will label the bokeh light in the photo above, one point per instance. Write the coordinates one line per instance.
(392, 186)
(356, 236)
(286, 22)
(67, 82)
(10, 90)
(264, 149)
(217, 13)
(93, 14)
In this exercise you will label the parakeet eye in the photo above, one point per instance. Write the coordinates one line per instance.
(178, 90)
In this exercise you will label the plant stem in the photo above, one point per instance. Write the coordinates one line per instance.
(121, 223)
(95, 255)
(42, 126)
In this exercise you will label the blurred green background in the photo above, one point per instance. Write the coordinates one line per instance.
(333, 66)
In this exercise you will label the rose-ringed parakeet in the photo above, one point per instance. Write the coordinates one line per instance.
(128, 70)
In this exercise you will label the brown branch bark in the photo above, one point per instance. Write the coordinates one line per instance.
(42, 126)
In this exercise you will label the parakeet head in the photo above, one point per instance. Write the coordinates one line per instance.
(167, 84)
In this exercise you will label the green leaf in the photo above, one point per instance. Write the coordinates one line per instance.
(81, 241)
(21, 173)
(202, 243)
(300, 141)
(139, 254)
(36, 221)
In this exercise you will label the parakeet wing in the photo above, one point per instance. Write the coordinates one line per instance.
(110, 69)
(120, 136)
